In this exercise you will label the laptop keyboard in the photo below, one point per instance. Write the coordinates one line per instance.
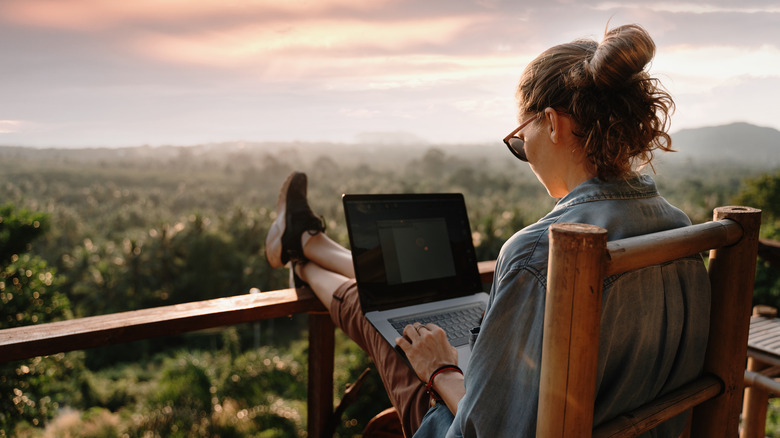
(456, 321)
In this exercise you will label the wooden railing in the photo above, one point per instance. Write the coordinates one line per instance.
(95, 331)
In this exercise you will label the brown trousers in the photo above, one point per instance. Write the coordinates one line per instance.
(405, 390)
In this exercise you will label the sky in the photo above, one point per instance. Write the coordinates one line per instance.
(110, 73)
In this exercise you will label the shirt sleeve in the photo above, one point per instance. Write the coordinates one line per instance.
(502, 381)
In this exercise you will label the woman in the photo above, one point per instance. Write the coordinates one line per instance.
(590, 116)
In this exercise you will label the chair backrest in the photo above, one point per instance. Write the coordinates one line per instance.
(580, 258)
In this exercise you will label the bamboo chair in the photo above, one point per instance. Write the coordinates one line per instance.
(580, 258)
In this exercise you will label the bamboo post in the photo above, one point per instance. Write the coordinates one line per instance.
(732, 273)
(756, 399)
(755, 405)
(321, 351)
(570, 343)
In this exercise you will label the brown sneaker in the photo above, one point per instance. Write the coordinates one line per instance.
(293, 218)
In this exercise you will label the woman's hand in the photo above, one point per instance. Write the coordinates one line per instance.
(427, 348)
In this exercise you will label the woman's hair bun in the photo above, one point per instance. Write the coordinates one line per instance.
(624, 52)
(619, 112)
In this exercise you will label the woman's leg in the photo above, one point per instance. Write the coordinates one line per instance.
(405, 390)
(323, 251)
(338, 293)
(322, 281)
(328, 265)
(327, 268)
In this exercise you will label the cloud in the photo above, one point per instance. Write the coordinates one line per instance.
(299, 38)
(694, 7)
(699, 69)
(359, 113)
(9, 126)
(94, 15)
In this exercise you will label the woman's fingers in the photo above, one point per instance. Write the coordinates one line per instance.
(402, 342)
(426, 347)
(412, 331)
(418, 330)
(435, 330)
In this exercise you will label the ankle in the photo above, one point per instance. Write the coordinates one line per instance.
(306, 238)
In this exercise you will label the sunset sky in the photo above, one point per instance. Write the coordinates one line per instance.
(183, 72)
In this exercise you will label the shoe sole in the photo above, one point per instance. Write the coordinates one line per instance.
(273, 241)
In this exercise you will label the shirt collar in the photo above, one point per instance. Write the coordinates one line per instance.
(632, 187)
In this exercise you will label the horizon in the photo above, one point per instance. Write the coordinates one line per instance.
(402, 139)
(96, 73)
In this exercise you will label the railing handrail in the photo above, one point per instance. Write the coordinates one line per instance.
(116, 328)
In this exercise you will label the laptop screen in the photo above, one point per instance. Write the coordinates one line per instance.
(410, 248)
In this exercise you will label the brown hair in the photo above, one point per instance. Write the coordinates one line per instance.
(620, 112)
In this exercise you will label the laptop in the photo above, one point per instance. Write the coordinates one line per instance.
(415, 262)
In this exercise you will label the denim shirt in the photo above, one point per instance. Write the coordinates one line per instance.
(653, 329)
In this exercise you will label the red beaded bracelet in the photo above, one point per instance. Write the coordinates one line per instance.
(429, 386)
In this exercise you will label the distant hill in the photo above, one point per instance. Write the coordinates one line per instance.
(739, 142)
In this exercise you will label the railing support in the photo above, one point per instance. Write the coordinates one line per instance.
(320, 397)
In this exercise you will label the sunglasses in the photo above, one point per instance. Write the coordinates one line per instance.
(515, 143)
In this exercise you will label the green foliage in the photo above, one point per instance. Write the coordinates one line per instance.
(180, 404)
(190, 260)
(30, 390)
(258, 378)
(773, 419)
(697, 188)
(18, 228)
(28, 292)
(137, 232)
(763, 192)
(196, 394)
(372, 398)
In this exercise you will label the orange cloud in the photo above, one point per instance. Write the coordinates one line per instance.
(91, 15)
(8, 126)
(299, 39)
